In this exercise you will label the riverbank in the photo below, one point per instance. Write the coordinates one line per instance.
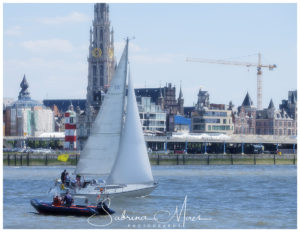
(33, 159)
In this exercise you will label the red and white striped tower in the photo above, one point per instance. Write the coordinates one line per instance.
(70, 129)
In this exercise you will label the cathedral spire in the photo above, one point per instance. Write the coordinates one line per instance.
(112, 37)
(247, 101)
(71, 107)
(101, 62)
(180, 102)
(91, 36)
(271, 105)
(180, 92)
(101, 11)
(24, 93)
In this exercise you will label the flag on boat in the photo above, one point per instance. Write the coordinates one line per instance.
(63, 157)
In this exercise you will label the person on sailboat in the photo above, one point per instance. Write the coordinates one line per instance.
(78, 181)
(67, 179)
(63, 175)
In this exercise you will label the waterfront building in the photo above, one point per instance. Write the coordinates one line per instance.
(290, 105)
(182, 124)
(245, 117)
(270, 121)
(27, 117)
(152, 117)
(7, 102)
(60, 106)
(70, 129)
(211, 118)
(187, 111)
(165, 97)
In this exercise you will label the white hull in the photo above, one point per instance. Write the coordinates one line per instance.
(92, 193)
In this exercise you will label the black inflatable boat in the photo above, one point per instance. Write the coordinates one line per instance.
(76, 210)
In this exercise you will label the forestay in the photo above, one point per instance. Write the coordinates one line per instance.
(100, 151)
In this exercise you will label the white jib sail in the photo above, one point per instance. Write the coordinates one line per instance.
(132, 165)
(100, 151)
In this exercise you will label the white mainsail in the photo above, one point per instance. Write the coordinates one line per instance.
(100, 151)
(132, 164)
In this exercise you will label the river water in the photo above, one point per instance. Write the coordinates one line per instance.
(229, 196)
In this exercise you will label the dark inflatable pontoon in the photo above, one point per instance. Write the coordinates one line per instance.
(76, 210)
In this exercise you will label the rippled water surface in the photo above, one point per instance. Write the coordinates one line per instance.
(205, 197)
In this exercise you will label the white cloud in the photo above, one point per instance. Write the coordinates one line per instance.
(14, 31)
(52, 45)
(74, 17)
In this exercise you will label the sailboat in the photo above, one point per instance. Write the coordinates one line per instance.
(116, 147)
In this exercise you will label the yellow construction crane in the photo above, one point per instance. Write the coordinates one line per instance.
(258, 65)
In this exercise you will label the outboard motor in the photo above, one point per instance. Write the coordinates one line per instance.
(102, 208)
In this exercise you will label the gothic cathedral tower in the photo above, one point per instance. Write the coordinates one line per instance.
(101, 56)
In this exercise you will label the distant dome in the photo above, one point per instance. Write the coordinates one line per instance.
(26, 103)
(24, 99)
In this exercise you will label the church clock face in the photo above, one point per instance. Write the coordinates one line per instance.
(110, 53)
(96, 52)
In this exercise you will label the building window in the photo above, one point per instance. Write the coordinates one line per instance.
(101, 70)
(101, 34)
(94, 70)
(199, 127)
(290, 124)
(196, 120)
(224, 121)
(209, 127)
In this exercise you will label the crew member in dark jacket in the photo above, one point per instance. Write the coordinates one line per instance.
(63, 175)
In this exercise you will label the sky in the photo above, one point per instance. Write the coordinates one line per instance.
(49, 44)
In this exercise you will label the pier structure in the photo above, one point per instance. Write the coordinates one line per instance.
(203, 144)
(222, 145)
